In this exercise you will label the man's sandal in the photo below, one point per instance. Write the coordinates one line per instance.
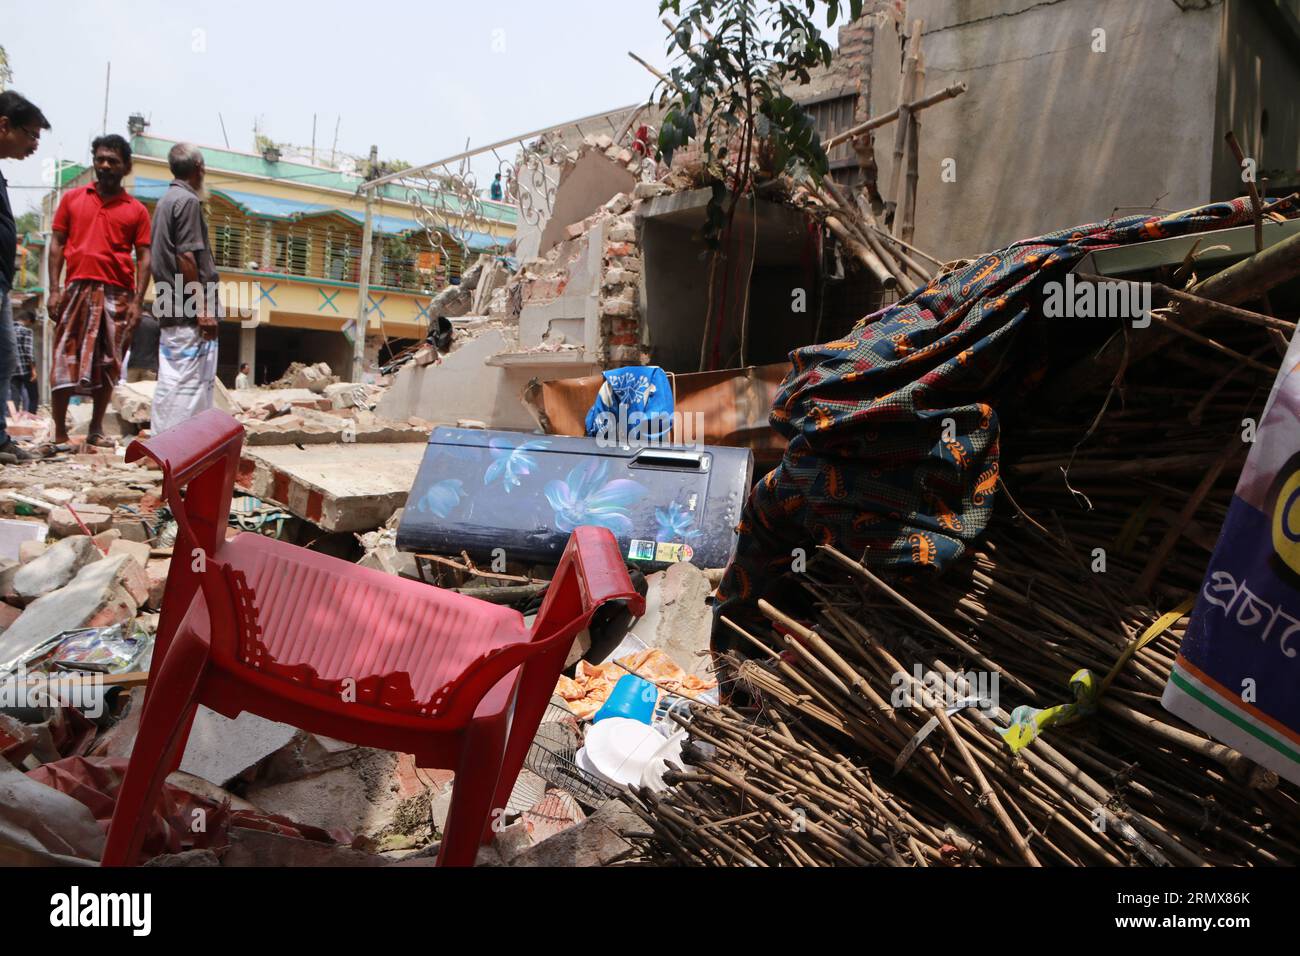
(11, 453)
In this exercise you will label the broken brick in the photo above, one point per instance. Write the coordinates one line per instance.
(95, 517)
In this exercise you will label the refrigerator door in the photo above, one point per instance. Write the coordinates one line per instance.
(480, 491)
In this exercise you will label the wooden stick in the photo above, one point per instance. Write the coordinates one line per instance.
(858, 222)
(1241, 282)
(469, 568)
(1256, 207)
(845, 671)
(126, 679)
(886, 118)
(657, 73)
(913, 153)
(1201, 304)
(856, 568)
(1175, 531)
(905, 96)
(986, 792)
(906, 245)
(864, 255)
(1252, 277)
(1246, 360)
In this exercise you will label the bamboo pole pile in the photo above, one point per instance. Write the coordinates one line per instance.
(831, 751)
(895, 263)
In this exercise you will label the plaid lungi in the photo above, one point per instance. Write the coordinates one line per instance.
(88, 339)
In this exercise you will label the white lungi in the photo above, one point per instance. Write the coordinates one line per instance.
(187, 372)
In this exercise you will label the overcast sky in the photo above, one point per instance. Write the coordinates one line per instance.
(416, 78)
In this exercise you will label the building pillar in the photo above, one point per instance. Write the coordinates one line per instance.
(248, 348)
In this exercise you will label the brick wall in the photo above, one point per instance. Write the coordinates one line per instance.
(620, 296)
(850, 69)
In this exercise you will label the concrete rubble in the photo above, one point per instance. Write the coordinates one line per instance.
(320, 453)
(314, 378)
(678, 618)
(573, 307)
(327, 484)
(811, 296)
(54, 568)
(98, 596)
(330, 463)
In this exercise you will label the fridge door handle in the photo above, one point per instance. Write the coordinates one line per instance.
(675, 460)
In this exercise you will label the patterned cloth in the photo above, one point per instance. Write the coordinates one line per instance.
(24, 358)
(869, 467)
(640, 397)
(90, 337)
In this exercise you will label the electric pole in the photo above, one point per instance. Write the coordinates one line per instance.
(363, 284)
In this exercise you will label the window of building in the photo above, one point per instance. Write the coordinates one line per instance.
(228, 246)
(833, 115)
(290, 253)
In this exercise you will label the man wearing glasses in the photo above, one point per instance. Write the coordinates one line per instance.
(20, 133)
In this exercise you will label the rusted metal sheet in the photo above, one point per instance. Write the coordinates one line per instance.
(735, 404)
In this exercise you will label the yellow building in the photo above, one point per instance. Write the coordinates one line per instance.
(291, 234)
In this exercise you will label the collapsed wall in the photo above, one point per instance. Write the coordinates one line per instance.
(569, 312)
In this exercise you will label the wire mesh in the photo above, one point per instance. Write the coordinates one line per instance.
(553, 757)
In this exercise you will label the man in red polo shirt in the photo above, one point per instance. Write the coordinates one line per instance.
(96, 228)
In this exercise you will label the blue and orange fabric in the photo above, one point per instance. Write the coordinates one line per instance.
(870, 466)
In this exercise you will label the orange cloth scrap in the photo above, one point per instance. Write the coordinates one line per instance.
(591, 684)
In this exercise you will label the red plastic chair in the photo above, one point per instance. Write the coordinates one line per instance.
(254, 624)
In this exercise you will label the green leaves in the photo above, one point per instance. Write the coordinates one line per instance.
(735, 59)
(676, 132)
(833, 11)
(793, 134)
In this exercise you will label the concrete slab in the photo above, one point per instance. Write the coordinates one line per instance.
(783, 227)
(94, 598)
(596, 841)
(41, 825)
(307, 426)
(54, 568)
(220, 749)
(678, 618)
(463, 386)
(252, 397)
(358, 796)
(260, 848)
(583, 186)
(340, 487)
(134, 401)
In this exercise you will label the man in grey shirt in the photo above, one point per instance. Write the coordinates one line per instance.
(185, 295)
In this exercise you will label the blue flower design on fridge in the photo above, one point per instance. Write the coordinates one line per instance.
(585, 497)
(510, 462)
